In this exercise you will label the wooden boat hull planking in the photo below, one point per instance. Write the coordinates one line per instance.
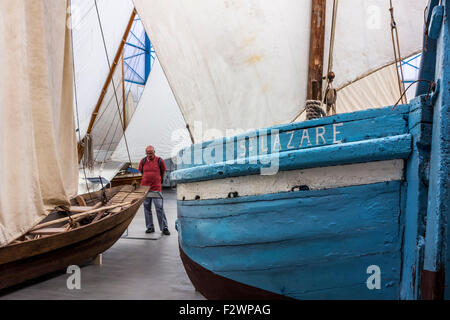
(35, 258)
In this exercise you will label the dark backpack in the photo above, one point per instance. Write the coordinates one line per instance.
(161, 172)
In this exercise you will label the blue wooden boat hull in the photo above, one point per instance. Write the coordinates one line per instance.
(304, 245)
(353, 206)
(315, 242)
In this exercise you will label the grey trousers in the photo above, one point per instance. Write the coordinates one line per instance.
(159, 205)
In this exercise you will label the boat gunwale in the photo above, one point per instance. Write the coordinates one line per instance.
(394, 147)
(359, 115)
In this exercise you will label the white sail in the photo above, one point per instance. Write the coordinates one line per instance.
(157, 121)
(92, 68)
(243, 64)
(130, 108)
(232, 64)
(363, 41)
(38, 161)
(108, 126)
(91, 64)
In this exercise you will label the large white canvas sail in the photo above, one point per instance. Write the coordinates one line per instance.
(38, 163)
(232, 64)
(243, 64)
(157, 121)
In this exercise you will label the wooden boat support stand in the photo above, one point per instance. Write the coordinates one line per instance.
(68, 238)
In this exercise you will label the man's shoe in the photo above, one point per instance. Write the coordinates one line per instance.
(166, 232)
(151, 230)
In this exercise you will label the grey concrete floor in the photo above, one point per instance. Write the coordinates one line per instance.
(137, 267)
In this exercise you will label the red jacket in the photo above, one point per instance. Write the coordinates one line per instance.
(152, 174)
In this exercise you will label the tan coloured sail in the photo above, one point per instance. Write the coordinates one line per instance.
(157, 121)
(243, 64)
(38, 164)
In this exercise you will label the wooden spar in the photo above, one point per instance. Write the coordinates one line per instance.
(108, 80)
(316, 50)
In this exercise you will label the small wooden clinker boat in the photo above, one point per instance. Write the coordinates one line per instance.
(67, 238)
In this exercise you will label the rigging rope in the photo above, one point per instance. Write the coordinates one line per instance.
(425, 22)
(76, 96)
(330, 94)
(397, 54)
(314, 110)
(112, 82)
(431, 88)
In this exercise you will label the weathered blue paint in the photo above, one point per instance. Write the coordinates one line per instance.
(313, 244)
(428, 62)
(136, 82)
(396, 147)
(436, 22)
(437, 252)
(420, 118)
(379, 134)
(352, 127)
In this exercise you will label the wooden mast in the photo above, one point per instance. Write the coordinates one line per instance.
(108, 80)
(316, 50)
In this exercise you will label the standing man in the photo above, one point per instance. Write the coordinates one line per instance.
(153, 169)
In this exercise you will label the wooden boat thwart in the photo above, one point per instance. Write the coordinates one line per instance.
(45, 250)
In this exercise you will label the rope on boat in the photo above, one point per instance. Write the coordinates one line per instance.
(330, 94)
(397, 54)
(314, 109)
(431, 87)
(425, 46)
(332, 37)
